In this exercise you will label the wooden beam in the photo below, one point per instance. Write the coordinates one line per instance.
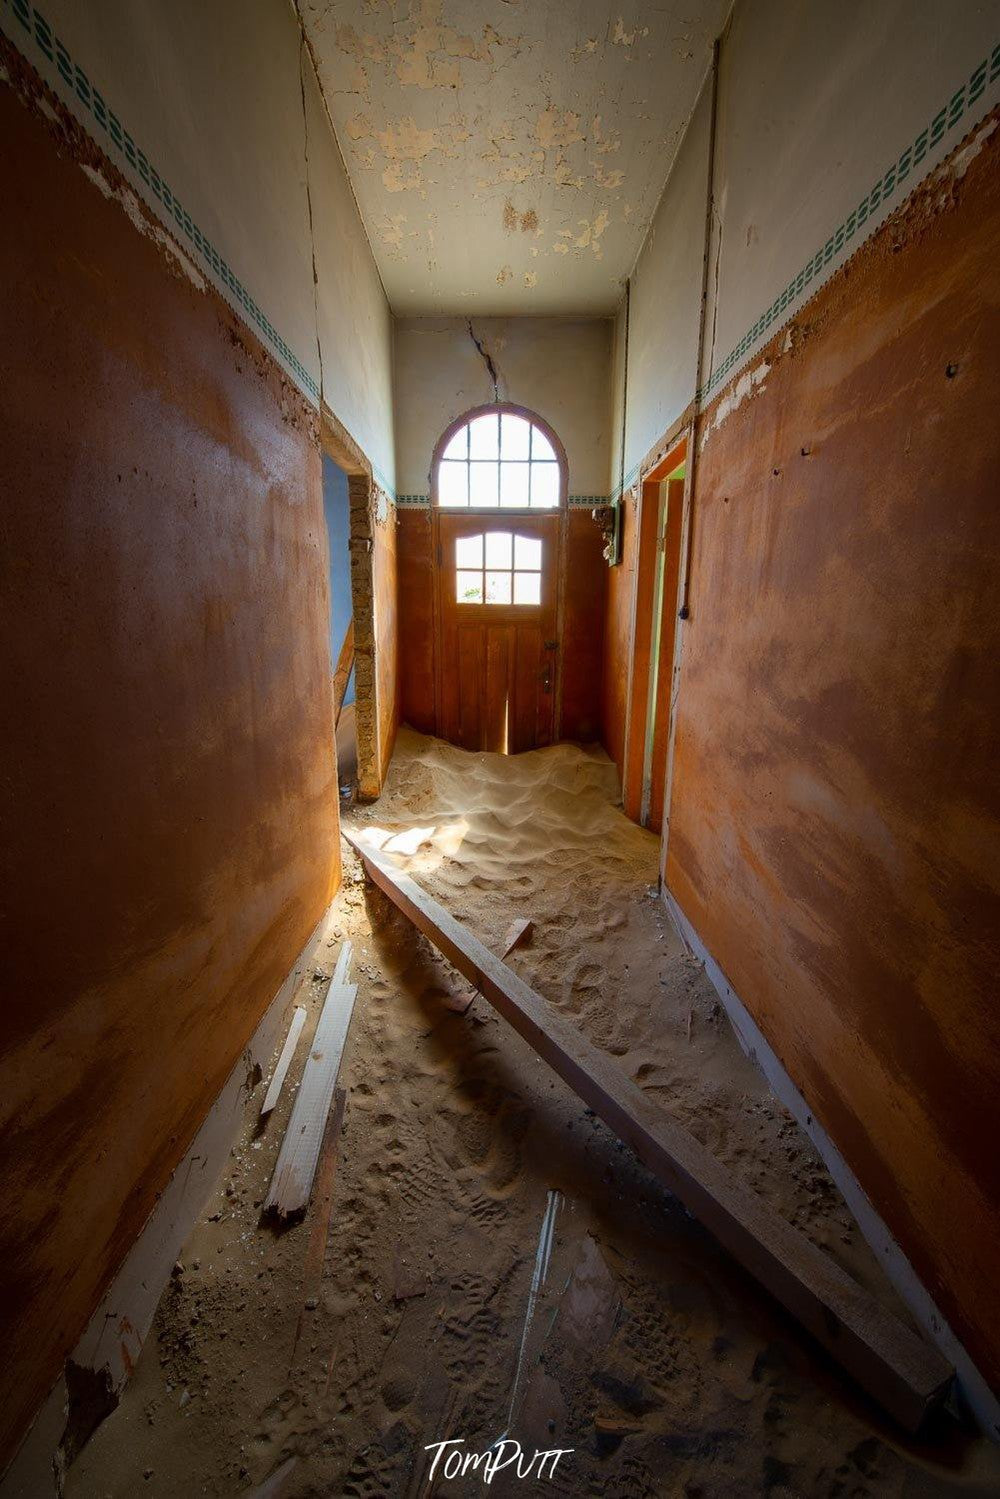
(897, 1368)
(291, 1184)
(342, 672)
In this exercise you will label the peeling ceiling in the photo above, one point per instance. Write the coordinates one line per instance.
(507, 155)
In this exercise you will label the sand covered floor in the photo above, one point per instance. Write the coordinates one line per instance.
(322, 1360)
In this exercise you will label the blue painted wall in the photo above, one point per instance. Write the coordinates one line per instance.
(336, 507)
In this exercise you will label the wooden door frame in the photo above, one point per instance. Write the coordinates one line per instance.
(680, 630)
(497, 514)
(637, 690)
(372, 733)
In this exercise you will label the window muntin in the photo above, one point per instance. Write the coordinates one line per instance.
(498, 567)
(499, 461)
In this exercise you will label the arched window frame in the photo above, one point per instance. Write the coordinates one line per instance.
(499, 408)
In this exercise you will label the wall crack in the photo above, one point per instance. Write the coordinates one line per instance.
(487, 360)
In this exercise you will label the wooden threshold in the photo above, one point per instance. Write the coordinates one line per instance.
(898, 1369)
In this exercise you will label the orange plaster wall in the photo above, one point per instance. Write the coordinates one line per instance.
(836, 805)
(170, 824)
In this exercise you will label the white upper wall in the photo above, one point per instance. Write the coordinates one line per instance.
(825, 121)
(210, 93)
(665, 298)
(558, 368)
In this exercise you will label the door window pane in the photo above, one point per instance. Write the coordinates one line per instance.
(469, 551)
(498, 549)
(514, 485)
(498, 588)
(469, 587)
(527, 588)
(527, 553)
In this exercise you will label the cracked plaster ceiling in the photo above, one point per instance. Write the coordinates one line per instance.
(507, 155)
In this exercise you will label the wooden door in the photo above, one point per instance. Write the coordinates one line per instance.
(498, 644)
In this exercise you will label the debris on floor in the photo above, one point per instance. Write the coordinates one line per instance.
(651, 1358)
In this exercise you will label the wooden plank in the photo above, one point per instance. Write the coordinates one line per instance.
(897, 1368)
(319, 1229)
(287, 1052)
(342, 672)
(292, 1181)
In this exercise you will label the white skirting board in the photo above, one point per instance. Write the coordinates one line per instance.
(980, 1398)
(116, 1332)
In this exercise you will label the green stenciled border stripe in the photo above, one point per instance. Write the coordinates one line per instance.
(899, 172)
(63, 67)
(73, 76)
(985, 72)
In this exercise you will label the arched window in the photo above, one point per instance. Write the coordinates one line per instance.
(499, 458)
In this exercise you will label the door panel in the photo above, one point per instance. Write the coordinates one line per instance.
(497, 694)
(469, 654)
(497, 662)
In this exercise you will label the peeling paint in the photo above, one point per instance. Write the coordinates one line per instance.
(749, 384)
(558, 128)
(144, 222)
(534, 116)
(606, 179)
(604, 144)
(957, 166)
(622, 38)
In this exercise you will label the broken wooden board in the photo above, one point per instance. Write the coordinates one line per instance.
(291, 1184)
(287, 1052)
(319, 1228)
(897, 1368)
(518, 931)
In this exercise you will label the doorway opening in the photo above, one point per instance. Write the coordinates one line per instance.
(654, 639)
(498, 494)
(337, 514)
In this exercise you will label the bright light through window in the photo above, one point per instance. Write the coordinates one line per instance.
(498, 567)
(499, 461)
